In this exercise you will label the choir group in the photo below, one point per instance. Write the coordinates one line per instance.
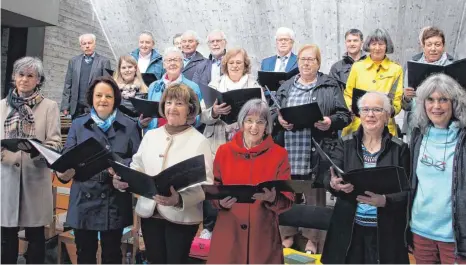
(247, 141)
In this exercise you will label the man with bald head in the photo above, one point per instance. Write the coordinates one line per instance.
(192, 58)
(82, 70)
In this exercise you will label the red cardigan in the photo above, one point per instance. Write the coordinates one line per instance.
(248, 233)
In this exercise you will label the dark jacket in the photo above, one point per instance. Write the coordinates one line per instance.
(155, 65)
(95, 204)
(341, 69)
(191, 67)
(70, 95)
(458, 198)
(268, 64)
(391, 219)
(329, 97)
(203, 74)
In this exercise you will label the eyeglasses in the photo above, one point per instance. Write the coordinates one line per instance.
(376, 111)
(172, 60)
(258, 122)
(441, 101)
(284, 40)
(216, 41)
(429, 161)
(309, 59)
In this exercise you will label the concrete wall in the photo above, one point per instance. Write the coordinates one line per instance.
(5, 34)
(251, 24)
(45, 12)
(61, 42)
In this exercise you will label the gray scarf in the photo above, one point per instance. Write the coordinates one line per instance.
(442, 61)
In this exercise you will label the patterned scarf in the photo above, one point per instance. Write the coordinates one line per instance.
(20, 121)
(103, 124)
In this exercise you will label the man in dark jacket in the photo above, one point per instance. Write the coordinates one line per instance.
(210, 69)
(192, 58)
(82, 70)
(341, 69)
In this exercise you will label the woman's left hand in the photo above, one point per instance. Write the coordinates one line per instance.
(373, 199)
(144, 121)
(173, 200)
(324, 124)
(267, 195)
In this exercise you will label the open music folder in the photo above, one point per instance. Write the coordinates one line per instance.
(184, 174)
(147, 108)
(19, 144)
(272, 79)
(303, 116)
(380, 180)
(418, 72)
(148, 78)
(234, 98)
(87, 158)
(244, 193)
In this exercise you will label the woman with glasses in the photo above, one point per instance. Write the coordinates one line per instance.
(173, 65)
(248, 233)
(370, 229)
(310, 86)
(437, 202)
(376, 73)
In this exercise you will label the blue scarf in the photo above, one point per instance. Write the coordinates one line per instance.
(103, 124)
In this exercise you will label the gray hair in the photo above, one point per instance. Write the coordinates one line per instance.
(285, 30)
(256, 106)
(387, 106)
(191, 33)
(148, 33)
(87, 35)
(379, 35)
(216, 31)
(172, 50)
(449, 88)
(25, 64)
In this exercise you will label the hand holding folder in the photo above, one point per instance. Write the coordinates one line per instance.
(418, 72)
(184, 174)
(234, 98)
(244, 193)
(273, 79)
(146, 107)
(19, 144)
(303, 116)
(379, 180)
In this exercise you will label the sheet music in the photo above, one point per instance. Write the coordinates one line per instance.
(48, 154)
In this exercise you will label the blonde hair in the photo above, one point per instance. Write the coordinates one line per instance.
(184, 93)
(137, 79)
(313, 47)
(233, 52)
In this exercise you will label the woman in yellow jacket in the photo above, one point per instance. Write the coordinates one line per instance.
(376, 73)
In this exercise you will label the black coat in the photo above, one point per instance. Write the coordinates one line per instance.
(391, 219)
(95, 204)
(330, 99)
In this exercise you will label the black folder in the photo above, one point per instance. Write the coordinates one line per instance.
(234, 98)
(380, 180)
(244, 193)
(87, 158)
(16, 144)
(272, 79)
(184, 174)
(129, 109)
(418, 72)
(303, 116)
(148, 78)
(148, 108)
(357, 94)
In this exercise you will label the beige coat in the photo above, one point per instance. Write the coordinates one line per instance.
(215, 130)
(26, 184)
(160, 150)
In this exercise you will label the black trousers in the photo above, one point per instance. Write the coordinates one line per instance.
(36, 245)
(363, 249)
(87, 243)
(210, 215)
(167, 242)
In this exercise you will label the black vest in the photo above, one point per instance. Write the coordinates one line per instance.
(84, 76)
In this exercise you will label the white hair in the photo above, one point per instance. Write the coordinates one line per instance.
(172, 50)
(283, 31)
(191, 33)
(387, 106)
(87, 35)
(148, 33)
(214, 32)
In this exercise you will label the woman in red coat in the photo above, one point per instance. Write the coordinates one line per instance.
(248, 233)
